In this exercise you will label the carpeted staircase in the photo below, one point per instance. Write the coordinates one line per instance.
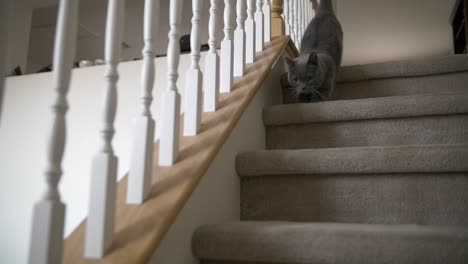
(377, 175)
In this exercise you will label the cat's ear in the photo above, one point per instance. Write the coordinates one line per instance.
(290, 62)
(312, 59)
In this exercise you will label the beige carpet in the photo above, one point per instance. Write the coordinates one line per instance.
(377, 175)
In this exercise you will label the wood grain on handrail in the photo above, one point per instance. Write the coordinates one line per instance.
(140, 229)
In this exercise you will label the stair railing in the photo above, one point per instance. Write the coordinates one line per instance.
(48, 222)
(295, 19)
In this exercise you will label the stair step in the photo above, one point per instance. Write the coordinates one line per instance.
(387, 185)
(327, 243)
(405, 68)
(449, 73)
(398, 120)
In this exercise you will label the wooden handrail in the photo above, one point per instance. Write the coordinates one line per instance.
(139, 229)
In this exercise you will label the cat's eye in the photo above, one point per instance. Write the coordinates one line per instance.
(295, 79)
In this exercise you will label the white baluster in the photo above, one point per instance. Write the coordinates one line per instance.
(260, 27)
(291, 19)
(139, 177)
(49, 213)
(170, 113)
(239, 41)
(286, 17)
(193, 84)
(304, 21)
(301, 21)
(227, 51)
(211, 72)
(296, 22)
(267, 20)
(250, 33)
(3, 47)
(100, 223)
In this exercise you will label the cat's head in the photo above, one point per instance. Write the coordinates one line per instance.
(306, 76)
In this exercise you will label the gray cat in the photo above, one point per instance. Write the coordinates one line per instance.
(312, 75)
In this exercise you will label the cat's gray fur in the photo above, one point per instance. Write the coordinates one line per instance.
(313, 74)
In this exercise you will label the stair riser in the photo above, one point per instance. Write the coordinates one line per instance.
(452, 82)
(382, 132)
(435, 199)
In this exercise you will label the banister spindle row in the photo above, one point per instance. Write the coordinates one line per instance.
(297, 16)
(49, 213)
(237, 49)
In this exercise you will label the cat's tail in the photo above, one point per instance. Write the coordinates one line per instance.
(326, 6)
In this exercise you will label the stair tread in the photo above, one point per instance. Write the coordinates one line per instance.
(292, 242)
(355, 160)
(368, 108)
(405, 68)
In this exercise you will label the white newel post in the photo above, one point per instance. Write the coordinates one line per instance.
(239, 41)
(193, 81)
(286, 17)
(227, 51)
(139, 177)
(49, 213)
(267, 20)
(3, 47)
(260, 27)
(170, 111)
(250, 33)
(291, 19)
(100, 223)
(211, 72)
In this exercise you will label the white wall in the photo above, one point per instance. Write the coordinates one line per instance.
(382, 30)
(26, 120)
(92, 24)
(217, 197)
